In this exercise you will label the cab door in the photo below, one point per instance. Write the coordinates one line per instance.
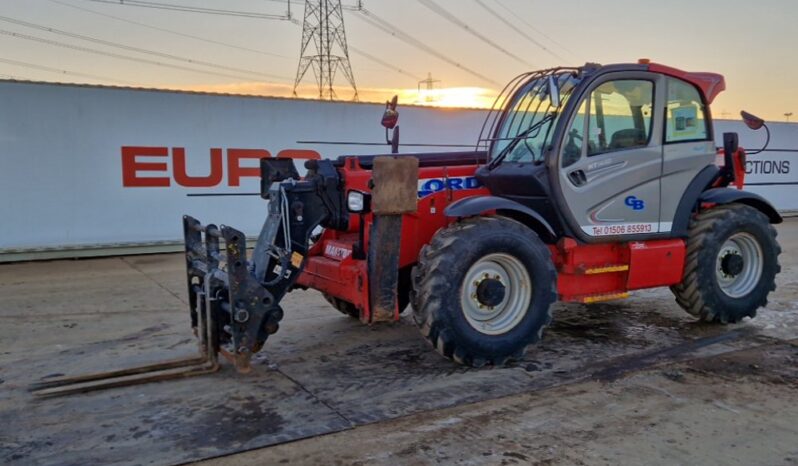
(610, 161)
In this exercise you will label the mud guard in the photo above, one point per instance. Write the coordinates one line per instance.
(478, 205)
(729, 195)
(395, 193)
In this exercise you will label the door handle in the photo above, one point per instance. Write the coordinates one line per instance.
(577, 177)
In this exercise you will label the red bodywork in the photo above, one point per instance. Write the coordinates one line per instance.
(711, 84)
(586, 273)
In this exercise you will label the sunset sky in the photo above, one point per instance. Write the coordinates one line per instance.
(751, 43)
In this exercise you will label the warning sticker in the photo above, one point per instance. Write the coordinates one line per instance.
(296, 259)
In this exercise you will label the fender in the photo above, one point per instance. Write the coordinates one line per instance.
(690, 198)
(478, 205)
(729, 195)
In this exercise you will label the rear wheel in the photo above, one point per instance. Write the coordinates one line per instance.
(483, 289)
(731, 264)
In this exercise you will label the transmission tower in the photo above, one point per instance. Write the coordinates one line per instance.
(324, 47)
(429, 92)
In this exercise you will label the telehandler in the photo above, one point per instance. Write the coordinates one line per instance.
(585, 183)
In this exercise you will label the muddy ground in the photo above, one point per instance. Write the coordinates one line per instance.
(633, 382)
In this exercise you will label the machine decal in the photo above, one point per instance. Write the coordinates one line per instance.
(620, 229)
(337, 252)
(634, 203)
(627, 228)
(429, 186)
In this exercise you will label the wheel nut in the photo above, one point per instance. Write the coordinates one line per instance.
(241, 316)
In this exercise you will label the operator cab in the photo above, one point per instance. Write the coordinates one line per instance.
(602, 152)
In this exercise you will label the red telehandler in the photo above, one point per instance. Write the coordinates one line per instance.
(585, 183)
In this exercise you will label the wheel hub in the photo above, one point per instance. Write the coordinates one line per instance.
(496, 293)
(732, 264)
(490, 292)
(739, 265)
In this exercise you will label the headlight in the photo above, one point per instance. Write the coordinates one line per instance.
(355, 201)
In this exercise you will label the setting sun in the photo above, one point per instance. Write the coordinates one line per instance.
(463, 97)
(478, 97)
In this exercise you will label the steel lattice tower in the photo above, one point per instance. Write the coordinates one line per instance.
(324, 47)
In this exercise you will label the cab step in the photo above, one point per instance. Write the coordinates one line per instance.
(598, 298)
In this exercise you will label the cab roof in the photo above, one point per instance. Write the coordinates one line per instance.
(711, 84)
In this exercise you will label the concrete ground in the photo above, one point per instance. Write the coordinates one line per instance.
(633, 382)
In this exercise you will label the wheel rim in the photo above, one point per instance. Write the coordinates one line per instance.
(496, 293)
(738, 266)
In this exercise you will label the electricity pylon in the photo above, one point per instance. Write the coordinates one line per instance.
(324, 48)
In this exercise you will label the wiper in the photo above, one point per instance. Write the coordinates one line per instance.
(518, 138)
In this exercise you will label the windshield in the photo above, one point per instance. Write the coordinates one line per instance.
(526, 127)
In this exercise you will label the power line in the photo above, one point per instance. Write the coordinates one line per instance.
(443, 13)
(134, 49)
(225, 44)
(56, 70)
(192, 9)
(116, 55)
(521, 19)
(382, 62)
(169, 31)
(379, 23)
(515, 28)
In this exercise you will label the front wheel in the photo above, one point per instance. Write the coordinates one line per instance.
(731, 264)
(483, 289)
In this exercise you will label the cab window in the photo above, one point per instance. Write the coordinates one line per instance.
(620, 116)
(686, 113)
(572, 149)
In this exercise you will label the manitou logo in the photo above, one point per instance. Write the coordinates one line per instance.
(136, 160)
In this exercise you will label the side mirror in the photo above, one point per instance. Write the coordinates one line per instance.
(755, 123)
(391, 117)
(752, 121)
(554, 92)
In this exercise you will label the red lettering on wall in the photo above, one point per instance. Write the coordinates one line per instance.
(131, 167)
(182, 178)
(234, 169)
(133, 164)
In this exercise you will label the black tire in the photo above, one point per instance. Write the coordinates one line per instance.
(438, 280)
(701, 293)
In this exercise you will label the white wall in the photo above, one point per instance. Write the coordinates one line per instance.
(61, 164)
(61, 157)
(773, 173)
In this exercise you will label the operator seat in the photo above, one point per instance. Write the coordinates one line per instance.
(626, 138)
